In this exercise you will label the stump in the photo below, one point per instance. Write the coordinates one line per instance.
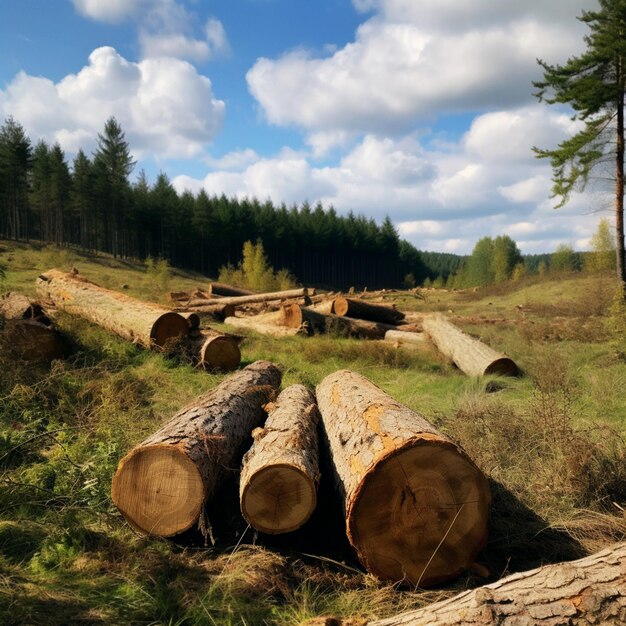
(280, 472)
(212, 350)
(162, 485)
(415, 505)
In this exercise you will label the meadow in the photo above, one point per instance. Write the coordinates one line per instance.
(552, 442)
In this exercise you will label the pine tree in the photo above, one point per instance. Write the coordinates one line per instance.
(81, 197)
(593, 84)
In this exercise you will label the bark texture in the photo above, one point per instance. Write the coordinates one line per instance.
(222, 289)
(588, 591)
(162, 485)
(415, 505)
(400, 337)
(16, 306)
(280, 472)
(141, 322)
(212, 350)
(470, 355)
(257, 297)
(212, 308)
(266, 324)
(366, 311)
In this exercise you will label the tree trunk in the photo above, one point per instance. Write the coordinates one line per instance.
(257, 297)
(366, 311)
(217, 310)
(280, 472)
(588, 591)
(619, 191)
(401, 337)
(15, 306)
(267, 324)
(415, 505)
(221, 289)
(212, 350)
(162, 485)
(470, 355)
(137, 321)
(31, 341)
(185, 296)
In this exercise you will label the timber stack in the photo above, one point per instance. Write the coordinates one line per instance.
(280, 472)
(415, 505)
(163, 484)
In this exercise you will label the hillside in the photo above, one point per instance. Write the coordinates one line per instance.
(551, 442)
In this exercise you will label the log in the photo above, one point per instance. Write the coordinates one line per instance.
(217, 310)
(32, 341)
(185, 296)
(402, 337)
(222, 289)
(162, 485)
(141, 322)
(280, 473)
(193, 320)
(359, 309)
(16, 306)
(212, 350)
(415, 504)
(266, 324)
(591, 590)
(470, 355)
(257, 297)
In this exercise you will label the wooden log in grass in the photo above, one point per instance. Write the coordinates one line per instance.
(141, 322)
(359, 309)
(222, 289)
(470, 355)
(212, 350)
(280, 472)
(415, 505)
(162, 485)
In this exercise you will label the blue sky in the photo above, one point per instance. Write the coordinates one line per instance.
(419, 110)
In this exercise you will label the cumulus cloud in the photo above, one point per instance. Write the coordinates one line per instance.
(164, 105)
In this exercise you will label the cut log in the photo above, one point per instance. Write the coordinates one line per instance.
(212, 350)
(193, 320)
(137, 321)
(280, 472)
(591, 590)
(31, 341)
(217, 310)
(359, 309)
(256, 297)
(415, 505)
(162, 485)
(221, 289)
(185, 296)
(405, 338)
(16, 306)
(470, 355)
(266, 324)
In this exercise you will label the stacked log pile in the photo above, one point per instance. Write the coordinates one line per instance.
(26, 330)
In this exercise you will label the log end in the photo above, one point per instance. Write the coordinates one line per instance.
(291, 315)
(340, 306)
(159, 490)
(503, 367)
(420, 514)
(278, 499)
(167, 327)
(220, 353)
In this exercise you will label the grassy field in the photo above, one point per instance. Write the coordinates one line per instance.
(552, 443)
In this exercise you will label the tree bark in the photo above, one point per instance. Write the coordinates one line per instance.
(366, 311)
(16, 306)
(212, 350)
(266, 324)
(280, 472)
(588, 591)
(140, 322)
(257, 297)
(619, 188)
(214, 309)
(470, 355)
(162, 485)
(415, 504)
(221, 289)
(401, 337)
(185, 296)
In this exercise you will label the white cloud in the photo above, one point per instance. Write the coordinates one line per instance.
(108, 10)
(165, 107)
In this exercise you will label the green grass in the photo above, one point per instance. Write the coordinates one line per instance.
(552, 442)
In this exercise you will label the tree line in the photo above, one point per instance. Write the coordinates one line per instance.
(92, 204)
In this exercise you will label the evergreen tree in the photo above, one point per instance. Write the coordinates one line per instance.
(593, 84)
(81, 198)
(40, 191)
(60, 182)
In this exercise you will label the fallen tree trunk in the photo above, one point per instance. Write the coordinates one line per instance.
(16, 306)
(405, 338)
(366, 311)
(212, 350)
(222, 289)
(217, 311)
(162, 485)
(185, 296)
(137, 321)
(31, 340)
(267, 324)
(295, 316)
(470, 355)
(280, 473)
(415, 505)
(591, 590)
(257, 297)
